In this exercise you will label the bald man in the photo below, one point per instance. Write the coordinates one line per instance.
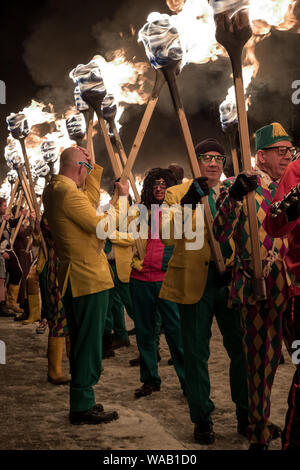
(84, 276)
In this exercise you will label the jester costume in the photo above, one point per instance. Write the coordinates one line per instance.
(52, 305)
(261, 321)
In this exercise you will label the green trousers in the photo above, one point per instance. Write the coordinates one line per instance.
(196, 323)
(119, 297)
(86, 316)
(146, 303)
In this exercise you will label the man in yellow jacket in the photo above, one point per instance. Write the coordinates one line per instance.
(84, 276)
(193, 282)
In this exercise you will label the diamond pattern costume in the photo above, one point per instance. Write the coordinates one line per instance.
(261, 321)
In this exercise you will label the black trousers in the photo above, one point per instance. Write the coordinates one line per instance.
(13, 268)
(291, 326)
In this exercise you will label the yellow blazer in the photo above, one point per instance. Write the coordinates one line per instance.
(187, 271)
(72, 218)
(123, 256)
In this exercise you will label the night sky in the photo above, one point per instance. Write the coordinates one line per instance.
(42, 41)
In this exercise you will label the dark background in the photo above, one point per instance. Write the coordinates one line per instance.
(41, 43)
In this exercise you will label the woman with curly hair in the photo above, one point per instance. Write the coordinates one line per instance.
(146, 280)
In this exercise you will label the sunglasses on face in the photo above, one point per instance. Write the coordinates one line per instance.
(206, 158)
(89, 167)
(282, 151)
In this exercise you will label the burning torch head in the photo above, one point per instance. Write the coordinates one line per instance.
(49, 151)
(161, 40)
(109, 107)
(228, 115)
(89, 79)
(13, 153)
(220, 6)
(80, 104)
(12, 176)
(76, 126)
(41, 169)
(18, 125)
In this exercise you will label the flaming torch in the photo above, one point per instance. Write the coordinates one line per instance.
(49, 151)
(109, 111)
(13, 157)
(76, 127)
(229, 122)
(233, 31)
(92, 90)
(163, 48)
(88, 114)
(19, 128)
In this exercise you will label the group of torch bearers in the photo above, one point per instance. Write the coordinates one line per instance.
(239, 275)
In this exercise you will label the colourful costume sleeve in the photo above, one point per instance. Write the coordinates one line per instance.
(228, 214)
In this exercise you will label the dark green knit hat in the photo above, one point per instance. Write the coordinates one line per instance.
(269, 135)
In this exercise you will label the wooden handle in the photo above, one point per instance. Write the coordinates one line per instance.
(233, 33)
(215, 247)
(89, 119)
(123, 156)
(251, 202)
(9, 207)
(234, 154)
(26, 191)
(33, 195)
(159, 82)
(108, 144)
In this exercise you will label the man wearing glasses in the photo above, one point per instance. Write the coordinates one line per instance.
(83, 275)
(261, 321)
(193, 283)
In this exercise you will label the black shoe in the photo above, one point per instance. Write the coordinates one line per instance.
(242, 427)
(256, 446)
(135, 362)
(204, 433)
(98, 407)
(92, 416)
(131, 332)
(146, 389)
(120, 343)
(108, 353)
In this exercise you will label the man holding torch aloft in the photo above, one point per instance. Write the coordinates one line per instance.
(261, 320)
(193, 282)
(84, 276)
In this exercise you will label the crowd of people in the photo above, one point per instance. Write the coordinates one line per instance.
(58, 272)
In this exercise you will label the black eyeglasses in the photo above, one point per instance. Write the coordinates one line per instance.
(206, 158)
(282, 151)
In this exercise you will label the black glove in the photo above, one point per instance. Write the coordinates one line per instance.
(222, 280)
(242, 186)
(293, 212)
(196, 191)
